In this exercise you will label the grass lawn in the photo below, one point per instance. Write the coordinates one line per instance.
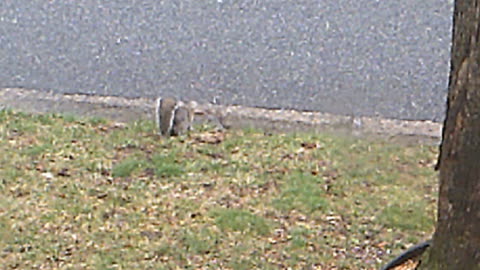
(81, 193)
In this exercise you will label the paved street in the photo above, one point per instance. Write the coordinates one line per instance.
(361, 57)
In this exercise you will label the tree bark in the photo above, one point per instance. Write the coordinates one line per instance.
(456, 242)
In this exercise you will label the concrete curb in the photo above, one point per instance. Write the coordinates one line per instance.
(125, 110)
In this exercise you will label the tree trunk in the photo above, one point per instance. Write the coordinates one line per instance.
(456, 243)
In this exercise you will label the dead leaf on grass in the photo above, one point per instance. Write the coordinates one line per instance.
(47, 175)
(235, 150)
(289, 156)
(408, 265)
(210, 138)
(310, 145)
(215, 155)
(151, 235)
(102, 195)
(64, 172)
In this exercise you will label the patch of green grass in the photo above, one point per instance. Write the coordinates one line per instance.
(301, 191)
(68, 118)
(11, 173)
(5, 230)
(143, 126)
(242, 264)
(36, 150)
(22, 126)
(95, 121)
(126, 167)
(95, 194)
(166, 166)
(299, 238)
(199, 242)
(406, 216)
(240, 220)
(44, 119)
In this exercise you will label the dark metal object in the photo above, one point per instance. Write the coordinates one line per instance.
(410, 253)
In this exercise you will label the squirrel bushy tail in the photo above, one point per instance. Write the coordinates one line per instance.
(173, 117)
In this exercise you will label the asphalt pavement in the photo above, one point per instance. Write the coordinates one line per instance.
(350, 57)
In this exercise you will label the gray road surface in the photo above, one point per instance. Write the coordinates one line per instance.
(361, 57)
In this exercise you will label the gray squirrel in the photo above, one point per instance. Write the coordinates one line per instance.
(174, 117)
